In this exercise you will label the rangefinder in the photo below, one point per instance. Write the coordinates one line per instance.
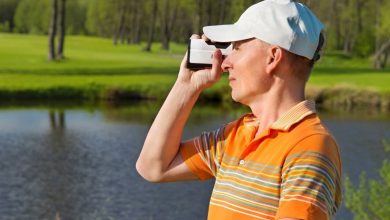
(200, 53)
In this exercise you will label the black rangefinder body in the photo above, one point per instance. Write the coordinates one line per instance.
(200, 53)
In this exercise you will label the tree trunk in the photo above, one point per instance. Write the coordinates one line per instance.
(380, 57)
(347, 43)
(52, 30)
(222, 6)
(336, 23)
(61, 29)
(198, 17)
(164, 18)
(119, 21)
(119, 30)
(138, 18)
(377, 23)
(209, 12)
(125, 23)
(384, 61)
(349, 28)
(151, 27)
(11, 25)
(168, 18)
(381, 51)
(134, 12)
(359, 19)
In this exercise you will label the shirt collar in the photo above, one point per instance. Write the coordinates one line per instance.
(287, 119)
(294, 115)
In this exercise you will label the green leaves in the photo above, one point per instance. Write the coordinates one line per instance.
(370, 201)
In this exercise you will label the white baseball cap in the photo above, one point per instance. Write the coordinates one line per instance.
(285, 23)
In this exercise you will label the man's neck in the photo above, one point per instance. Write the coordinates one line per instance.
(268, 108)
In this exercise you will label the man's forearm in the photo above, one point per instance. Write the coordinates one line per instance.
(163, 140)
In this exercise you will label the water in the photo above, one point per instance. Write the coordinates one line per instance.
(80, 164)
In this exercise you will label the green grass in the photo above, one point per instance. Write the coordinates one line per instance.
(91, 65)
(336, 69)
(366, 80)
(95, 68)
(86, 55)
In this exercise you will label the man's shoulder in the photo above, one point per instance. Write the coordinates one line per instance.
(310, 125)
(313, 135)
(312, 131)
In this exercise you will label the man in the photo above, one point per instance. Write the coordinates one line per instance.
(279, 162)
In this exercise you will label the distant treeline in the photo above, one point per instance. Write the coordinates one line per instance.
(358, 27)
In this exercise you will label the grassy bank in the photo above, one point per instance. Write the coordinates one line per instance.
(95, 69)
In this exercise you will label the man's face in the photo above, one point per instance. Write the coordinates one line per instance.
(246, 66)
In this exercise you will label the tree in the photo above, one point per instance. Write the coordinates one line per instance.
(61, 29)
(152, 23)
(357, 27)
(76, 14)
(122, 8)
(136, 19)
(53, 30)
(32, 17)
(336, 23)
(7, 11)
(222, 7)
(101, 15)
(57, 20)
(382, 35)
(168, 16)
(349, 32)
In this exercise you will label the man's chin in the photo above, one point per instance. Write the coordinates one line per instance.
(235, 97)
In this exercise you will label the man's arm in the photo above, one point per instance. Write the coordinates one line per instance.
(159, 160)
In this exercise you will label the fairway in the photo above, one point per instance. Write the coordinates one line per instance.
(96, 65)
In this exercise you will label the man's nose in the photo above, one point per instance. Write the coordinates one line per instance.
(226, 64)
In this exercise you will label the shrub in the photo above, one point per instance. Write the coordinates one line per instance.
(370, 201)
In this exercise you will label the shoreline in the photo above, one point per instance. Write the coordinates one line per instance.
(345, 97)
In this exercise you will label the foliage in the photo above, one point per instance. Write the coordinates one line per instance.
(357, 27)
(32, 16)
(7, 11)
(75, 17)
(99, 17)
(383, 30)
(370, 200)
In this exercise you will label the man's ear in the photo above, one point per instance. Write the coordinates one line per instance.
(274, 57)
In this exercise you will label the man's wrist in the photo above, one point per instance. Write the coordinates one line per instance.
(187, 89)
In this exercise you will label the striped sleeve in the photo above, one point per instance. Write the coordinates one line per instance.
(311, 187)
(203, 154)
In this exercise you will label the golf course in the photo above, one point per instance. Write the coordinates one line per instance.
(95, 69)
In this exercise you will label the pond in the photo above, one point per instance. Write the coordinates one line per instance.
(78, 162)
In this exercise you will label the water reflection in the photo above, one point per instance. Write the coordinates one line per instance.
(60, 118)
(71, 162)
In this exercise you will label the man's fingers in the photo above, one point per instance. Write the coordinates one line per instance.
(183, 64)
(216, 69)
(195, 36)
(204, 37)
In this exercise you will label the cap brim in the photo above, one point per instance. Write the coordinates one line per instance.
(226, 33)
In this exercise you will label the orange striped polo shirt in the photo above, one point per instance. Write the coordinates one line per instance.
(290, 170)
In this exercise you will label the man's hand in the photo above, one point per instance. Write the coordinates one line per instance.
(201, 79)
